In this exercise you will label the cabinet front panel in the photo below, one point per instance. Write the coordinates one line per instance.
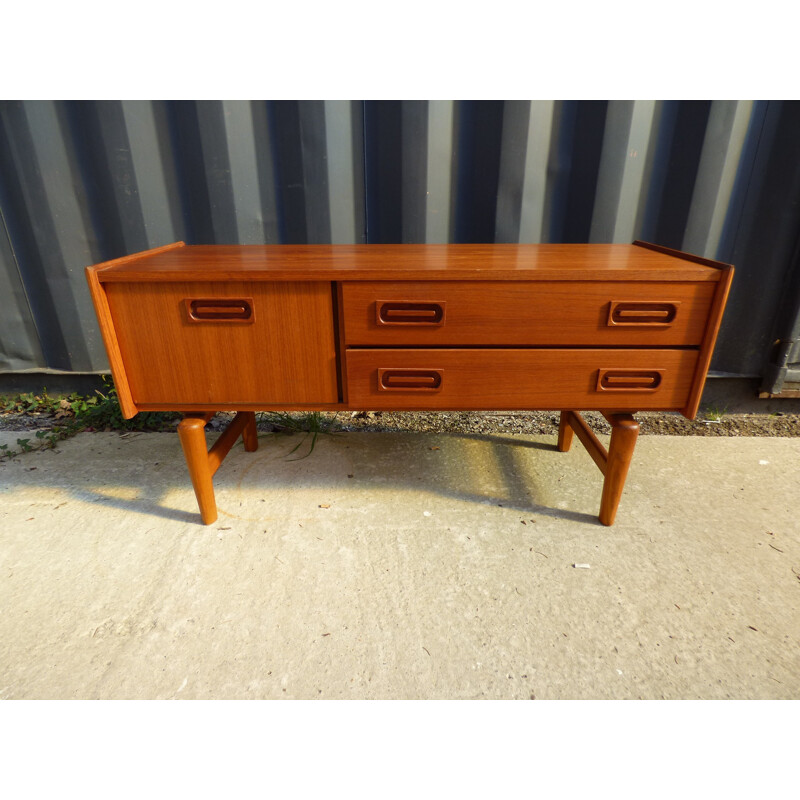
(444, 313)
(218, 344)
(519, 379)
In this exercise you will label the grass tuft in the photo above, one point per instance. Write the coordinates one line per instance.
(311, 423)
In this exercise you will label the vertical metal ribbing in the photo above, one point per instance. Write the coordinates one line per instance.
(82, 182)
(414, 155)
(50, 231)
(152, 164)
(532, 223)
(513, 172)
(314, 161)
(216, 166)
(727, 128)
(439, 172)
(614, 158)
(627, 140)
(19, 340)
(340, 162)
(240, 143)
(265, 173)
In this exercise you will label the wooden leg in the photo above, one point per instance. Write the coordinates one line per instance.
(564, 432)
(250, 434)
(204, 463)
(624, 432)
(613, 463)
(191, 431)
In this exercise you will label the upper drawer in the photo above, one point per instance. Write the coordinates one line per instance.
(226, 343)
(525, 313)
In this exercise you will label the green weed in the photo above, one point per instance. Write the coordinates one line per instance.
(714, 413)
(311, 423)
(98, 412)
(101, 412)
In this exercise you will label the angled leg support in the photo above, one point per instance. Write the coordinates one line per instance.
(613, 463)
(204, 463)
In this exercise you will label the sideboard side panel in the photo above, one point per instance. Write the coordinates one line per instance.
(709, 340)
(115, 360)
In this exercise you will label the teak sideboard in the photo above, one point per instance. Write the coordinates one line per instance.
(573, 327)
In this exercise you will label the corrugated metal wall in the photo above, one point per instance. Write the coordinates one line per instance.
(82, 182)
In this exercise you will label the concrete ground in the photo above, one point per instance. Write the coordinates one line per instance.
(407, 566)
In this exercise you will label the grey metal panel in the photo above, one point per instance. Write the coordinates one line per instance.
(439, 172)
(613, 159)
(315, 170)
(763, 243)
(783, 368)
(298, 141)
(627, 145)
(634, 179)
(48, 222)
(414, 155)
(240, 143)
(477, 142)
(537, 152)
(216, 164)
(19, 342)
(513, 149)
(341, 171)
(156, 178)
(265, 173)
(359, 167)
(82, 182)
(720, 159)
(101, 155)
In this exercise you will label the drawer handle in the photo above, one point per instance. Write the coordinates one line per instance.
(629, 380)
(217, 309)
(642, 313)
(410, 380)
(406, 312)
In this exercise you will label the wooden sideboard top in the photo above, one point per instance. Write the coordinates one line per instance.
(392, 262)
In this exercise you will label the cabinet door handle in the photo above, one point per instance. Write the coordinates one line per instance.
(410, 380)
(220, 309)
(408, 312)
(629, 380)
(642, 312)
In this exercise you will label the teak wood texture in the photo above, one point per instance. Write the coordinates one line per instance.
(501, 379)
(613, 328)
(538, 313)
(280, 349)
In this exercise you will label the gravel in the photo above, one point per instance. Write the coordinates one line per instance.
(488, 422)
(546, 422)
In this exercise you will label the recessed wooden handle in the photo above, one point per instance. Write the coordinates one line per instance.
(408, 312)
(643, 313)
(629, 380)
(220, 309)
(409, 380)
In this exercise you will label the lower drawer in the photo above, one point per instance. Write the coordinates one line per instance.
(519, 379)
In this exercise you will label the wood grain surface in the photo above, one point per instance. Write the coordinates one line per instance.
(287, 354)
(623, 262)
(531, 313)
(111, 342)
(709, 340)
(516, 379)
